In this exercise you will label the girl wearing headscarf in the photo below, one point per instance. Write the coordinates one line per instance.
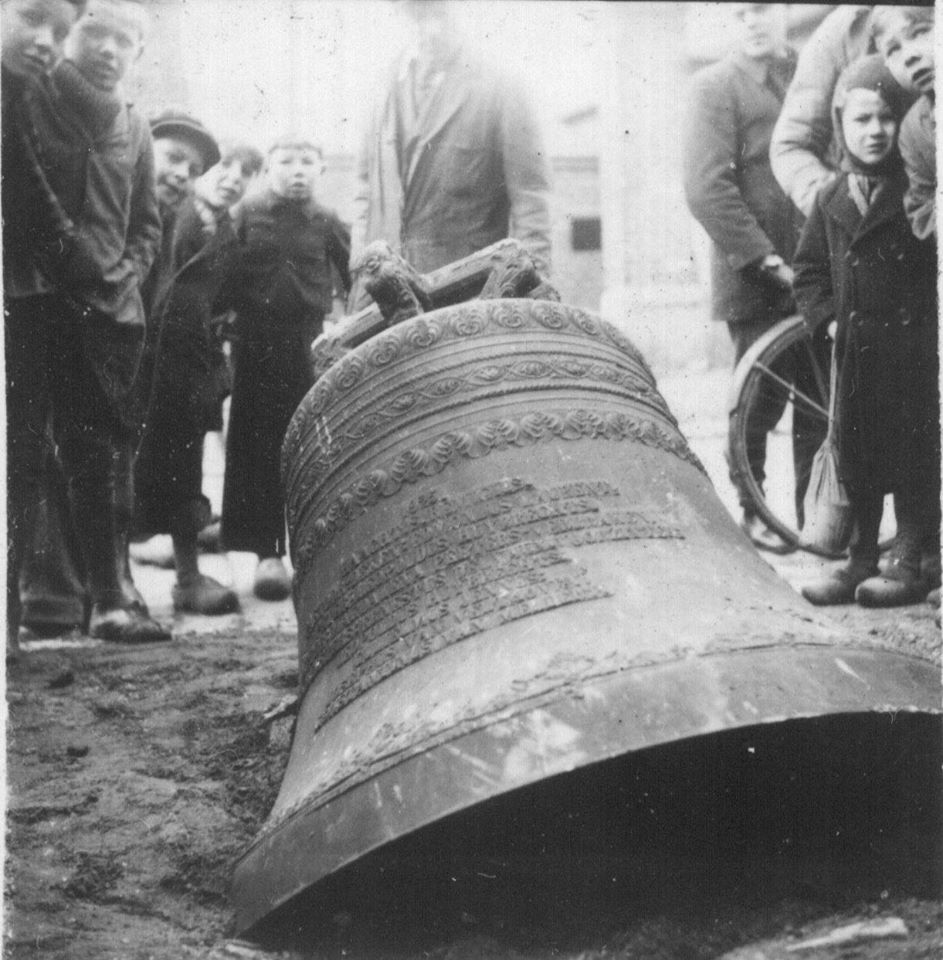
(858, 264)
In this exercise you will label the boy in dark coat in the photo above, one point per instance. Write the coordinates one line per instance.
(860, 265)
(281, 294)
(753, 226)
(185, 396)
(904, 36)
(33, 38)
(213, 196)
(75, 322)
(183, 399)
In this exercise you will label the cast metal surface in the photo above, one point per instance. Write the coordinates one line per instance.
(510, 565)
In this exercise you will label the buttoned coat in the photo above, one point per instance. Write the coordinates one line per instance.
(878, 282)
(730, 187)
(182, 372)
(281, 295)
(477, 174)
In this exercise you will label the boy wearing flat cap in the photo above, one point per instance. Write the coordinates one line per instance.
(181, 373)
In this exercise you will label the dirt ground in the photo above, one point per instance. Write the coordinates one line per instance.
(136, 776)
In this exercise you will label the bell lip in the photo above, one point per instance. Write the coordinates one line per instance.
(860, 681)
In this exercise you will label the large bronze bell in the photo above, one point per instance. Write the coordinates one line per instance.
(510, 565)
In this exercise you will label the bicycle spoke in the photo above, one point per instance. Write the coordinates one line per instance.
(793, 393)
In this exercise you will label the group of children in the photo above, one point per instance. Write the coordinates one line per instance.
(867, 263)
(124, 242)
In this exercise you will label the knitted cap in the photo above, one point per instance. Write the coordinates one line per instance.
(868, 73)
(176, 123)
(871, 73)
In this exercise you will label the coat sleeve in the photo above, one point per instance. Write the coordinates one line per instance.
(189, 236)
(526, 176)
(803, 134)
(711, 151)
(338, 251)
(918, 148)
(227, 296)
(144, 227)
(812, 287)
(361, 203)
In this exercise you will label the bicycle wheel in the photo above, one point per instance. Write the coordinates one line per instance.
(778, 419)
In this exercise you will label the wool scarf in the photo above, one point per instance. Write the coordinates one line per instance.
(95, 110)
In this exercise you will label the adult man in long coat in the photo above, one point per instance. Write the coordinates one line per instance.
(731, 191)
(452, 161)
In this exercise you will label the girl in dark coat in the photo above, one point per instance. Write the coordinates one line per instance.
(859, 264)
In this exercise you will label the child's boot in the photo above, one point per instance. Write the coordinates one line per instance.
(271, 580)
(839, 585)
(902, 582)
(194, 592)
(205, 596)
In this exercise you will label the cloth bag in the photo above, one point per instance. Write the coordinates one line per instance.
(828, 517)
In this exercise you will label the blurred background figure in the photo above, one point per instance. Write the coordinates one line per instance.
(452, 160)
(731, 191)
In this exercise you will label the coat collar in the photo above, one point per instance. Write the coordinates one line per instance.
(758, 70)
(309, 209)
(885, 206)
(448, 99)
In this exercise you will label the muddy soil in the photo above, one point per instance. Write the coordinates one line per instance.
(137, 776)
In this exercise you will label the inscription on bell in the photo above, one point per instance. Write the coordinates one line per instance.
(458, 565)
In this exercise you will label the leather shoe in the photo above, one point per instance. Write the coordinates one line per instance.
(891, 591)
(838, 586)
(205, 596)
(156, 552)
(121, 624)
(271, 580)
(47, 629)
(902, 582)
(762, 537)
